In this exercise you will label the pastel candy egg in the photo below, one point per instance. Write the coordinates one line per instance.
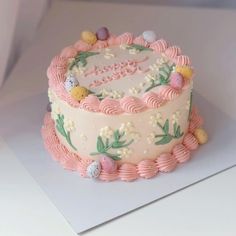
(108, 164)
(94, 169)
(185, 71)
(88, 37)
(70, 83)
(201, 135)
(102, 33)
(79, 93)
(176, 80)
(149, 36)
(49, 108)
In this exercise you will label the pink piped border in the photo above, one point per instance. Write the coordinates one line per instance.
(166, 162)
(58, 67)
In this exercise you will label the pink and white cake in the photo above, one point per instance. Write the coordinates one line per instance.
(121, 107)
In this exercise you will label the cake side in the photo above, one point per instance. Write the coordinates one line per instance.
(123, 100)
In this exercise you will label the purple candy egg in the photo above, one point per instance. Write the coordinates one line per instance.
(102, 33)
(49, 109)
(108, 164)
(176, 80)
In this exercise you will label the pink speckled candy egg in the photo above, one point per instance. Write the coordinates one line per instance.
(102, 33)
(176, 80)
(108, 164)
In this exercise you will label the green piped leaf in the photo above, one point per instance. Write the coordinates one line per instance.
(166, 139)
(100, 145)
(166, 127)
(138, 47)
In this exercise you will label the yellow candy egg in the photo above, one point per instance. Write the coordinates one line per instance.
(89, 37)
(201, 135)
(79, 93)
(185, 71)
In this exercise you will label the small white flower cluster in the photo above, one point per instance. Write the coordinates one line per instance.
(151, 138)
(55, 110)
(161, 61)
(142, 84)
(134, 90)
(124, 152)
(133, 51)
(106, 132)
(187, 105)
(130, 131)
(154, 67)
(155, 118)
(150, 77)
(123, 46)
(69, 125)
(111, 93)
(175, 117)
(77, 70)
(50, 96)
(108, 54)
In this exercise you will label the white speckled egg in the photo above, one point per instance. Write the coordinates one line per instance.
(94, 169)
(70, 83)
(149, 36)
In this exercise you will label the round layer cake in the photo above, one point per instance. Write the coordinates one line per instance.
(122, 105)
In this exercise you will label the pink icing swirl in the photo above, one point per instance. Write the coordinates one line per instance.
(48, 120)
(132, 104)
(182, 60)
(128, 172)
(166, 162)
(168, 93)
(181, 153)
(112, 40)
(126, 38)
(140, 40)
(110, 106)
(172, 51)
(55, 76)
(69, 52)
(90, 103)
(108, 176)
(83, 165)
(147, 169)
(81, 46)
(58, 61)
(195, 123)
(152, 100)
(100, 44)
(190, 142)
(69, 161)
(159, 45)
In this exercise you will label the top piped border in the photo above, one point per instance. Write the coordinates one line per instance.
(128, 104)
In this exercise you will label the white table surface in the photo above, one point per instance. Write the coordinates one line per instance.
(206, 208)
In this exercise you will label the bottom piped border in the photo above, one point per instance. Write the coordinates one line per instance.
(165, 162)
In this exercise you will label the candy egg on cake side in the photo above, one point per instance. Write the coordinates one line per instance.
(94, 169)
(102, 33)
(79, 93)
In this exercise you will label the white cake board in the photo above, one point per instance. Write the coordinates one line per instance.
(86, 203)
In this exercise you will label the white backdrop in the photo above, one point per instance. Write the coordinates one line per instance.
(18, 22)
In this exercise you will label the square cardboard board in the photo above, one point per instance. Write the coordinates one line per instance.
(86, 203)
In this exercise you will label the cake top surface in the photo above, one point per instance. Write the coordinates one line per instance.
(113, 75)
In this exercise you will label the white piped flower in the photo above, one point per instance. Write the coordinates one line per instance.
(150, 77)
(151, 138)
(142, 84)
(117, 94)
(50, 96)
(106, 132)
(154, 67)
(187, 105)
(77, 71)
(161, 61)
(55, 110)
(123, 46)
(105, 92)
(175, 117)
(127, 128)
(134, 90)
(133, 51)
(135, 136)
(69, 125)
(124, 152)
(155, 118)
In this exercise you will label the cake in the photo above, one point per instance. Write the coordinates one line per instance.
(121, 107)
